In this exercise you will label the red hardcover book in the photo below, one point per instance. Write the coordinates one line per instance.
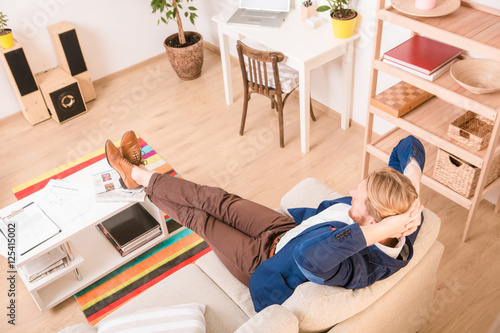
(422, 54)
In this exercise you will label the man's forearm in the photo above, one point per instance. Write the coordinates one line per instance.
(374, 233)
(393, 226)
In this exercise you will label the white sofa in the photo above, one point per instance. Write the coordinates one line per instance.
(400, 303)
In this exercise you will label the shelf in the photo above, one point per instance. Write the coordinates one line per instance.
(382, 149)
(101, 259)
(34, 286)
(470, 27)
(474, 28)
(430, 120)
(447, 89)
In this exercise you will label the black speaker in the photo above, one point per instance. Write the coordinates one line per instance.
(72, 52)
(68, 102)
(21, 71)
(24, 84)
(70, 56)
(62, 94)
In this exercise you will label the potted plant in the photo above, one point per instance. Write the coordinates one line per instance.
(343, 18)
(185, 48)
(6, 38)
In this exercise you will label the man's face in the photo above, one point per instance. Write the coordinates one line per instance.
(358, 212)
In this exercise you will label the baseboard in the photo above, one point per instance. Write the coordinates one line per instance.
(132, 68)
(317, 106)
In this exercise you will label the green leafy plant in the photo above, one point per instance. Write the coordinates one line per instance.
(338, 9)
(3, 23)
(171, 10)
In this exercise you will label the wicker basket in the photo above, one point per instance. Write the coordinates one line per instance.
(459, 175)
(472, 130)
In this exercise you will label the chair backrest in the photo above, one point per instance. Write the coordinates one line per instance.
(259, 65)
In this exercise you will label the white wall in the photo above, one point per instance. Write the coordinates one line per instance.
(116, 34)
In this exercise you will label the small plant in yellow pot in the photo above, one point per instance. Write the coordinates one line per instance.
(343, 18)
(6, 38)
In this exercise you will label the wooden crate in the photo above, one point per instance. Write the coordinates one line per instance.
(472, 130)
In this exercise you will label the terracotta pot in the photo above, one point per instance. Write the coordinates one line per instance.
(186, 61)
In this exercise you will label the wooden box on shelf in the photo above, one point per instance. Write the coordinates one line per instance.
(461, 176)
(472, 130)
(400, 99)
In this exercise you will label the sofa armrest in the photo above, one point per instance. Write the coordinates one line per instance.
(273, 319)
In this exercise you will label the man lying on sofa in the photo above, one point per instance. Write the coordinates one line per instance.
(350, 242)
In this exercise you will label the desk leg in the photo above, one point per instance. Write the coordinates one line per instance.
(347, 76)
(226, 65)
(305, 99)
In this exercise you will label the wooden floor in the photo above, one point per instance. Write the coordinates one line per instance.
(190, 126)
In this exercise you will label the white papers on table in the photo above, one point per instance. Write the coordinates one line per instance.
(47, 263)
(122, 195)
(64, 201)
(31, 227)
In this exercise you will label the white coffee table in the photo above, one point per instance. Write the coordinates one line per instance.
(94, 256)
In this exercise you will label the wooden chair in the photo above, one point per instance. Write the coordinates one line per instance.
(262, 75)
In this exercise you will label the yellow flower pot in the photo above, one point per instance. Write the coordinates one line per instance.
(343, 28)
(7, 40)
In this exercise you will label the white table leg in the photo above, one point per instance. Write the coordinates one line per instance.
(305, 97)
(226, 65)
(347, 77)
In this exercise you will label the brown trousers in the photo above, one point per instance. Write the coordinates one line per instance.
(239, 231)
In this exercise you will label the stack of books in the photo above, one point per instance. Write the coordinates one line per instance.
(423, 57)
(130, 229)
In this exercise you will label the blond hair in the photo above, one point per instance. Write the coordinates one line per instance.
(388, 193)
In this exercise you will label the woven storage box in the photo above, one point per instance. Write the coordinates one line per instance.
(459, 175)
(471, 129)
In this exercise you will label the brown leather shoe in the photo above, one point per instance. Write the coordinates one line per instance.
(131, 149)
(120, 164)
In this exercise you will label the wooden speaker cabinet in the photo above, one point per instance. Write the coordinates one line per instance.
(70, 56)
(24, 84)
(62, 94)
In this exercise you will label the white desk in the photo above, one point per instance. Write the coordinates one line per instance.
(305, 49)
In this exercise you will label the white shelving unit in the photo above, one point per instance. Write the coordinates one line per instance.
(475, 29)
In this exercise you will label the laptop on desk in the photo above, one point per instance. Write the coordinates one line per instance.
(261, 13)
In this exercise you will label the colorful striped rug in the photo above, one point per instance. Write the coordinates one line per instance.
(183, 247)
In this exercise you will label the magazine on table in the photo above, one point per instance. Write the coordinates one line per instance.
(108, 187)
(46, 264)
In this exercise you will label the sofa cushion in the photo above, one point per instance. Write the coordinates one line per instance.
(185, 318)
(273, 319)
(189, 285)
(239, 293)
(319, 307)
